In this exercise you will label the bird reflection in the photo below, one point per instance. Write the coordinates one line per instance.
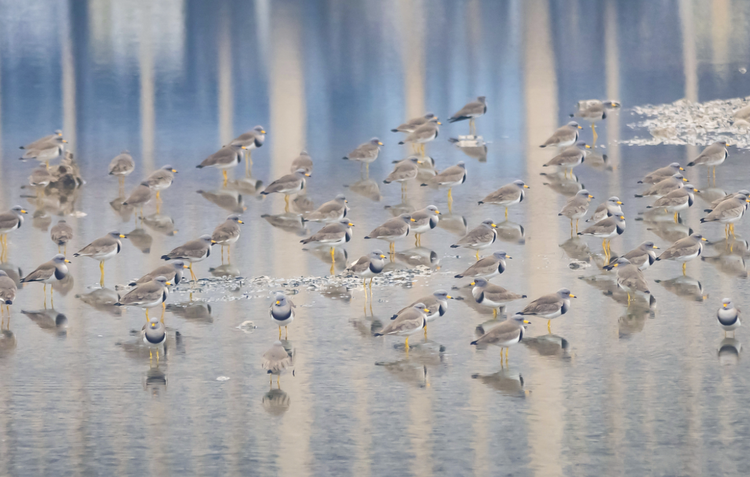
(664, 226)
(634, 320)
(41, 220)
(8, 341)
(511, 232)
(323, 253)
(455, 224)
(225, 270)
(226, 199)
(506, 381)
(154, 380)
(565, 186)
(15, 273)
(192, 311)
(367, 188)
(160, 223)
(336, 292)
(140, 239)
(425, 170)
(246, 186)
(685, 287)
(729, 351)
(576, 249)
(276, 402)
(711, 194)
(302, 203)
(49, 320)
(102, 299)
(405, 207)
(124, 211)
(549, 345)
(368, 326)
(472, 146)
(418, 256)
(289, 222)
(728, 264)
(64, 286)
(407, 371)
(598, 161)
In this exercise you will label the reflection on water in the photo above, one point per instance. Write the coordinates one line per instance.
(174, 81)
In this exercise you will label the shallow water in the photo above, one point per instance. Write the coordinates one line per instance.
(650, 389)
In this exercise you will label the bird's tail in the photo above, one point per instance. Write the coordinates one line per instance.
(165, 257)
(378, 334)
(474, 343)
(639, 195)
(454, 246)
(394, 130)
(691, 164)
(458, 276)
(401, 142)
(199, 166)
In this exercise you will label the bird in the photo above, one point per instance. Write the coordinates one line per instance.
(664, 187)
(303, 161)
(576, 208)
(49, 272)
(613, 206)
(712, 156)
(7, 293)
(481, 236)
(192, 251)
(392, 230)
(491, 295)
(606, 229)
(35, 144)
(728, 212)
(121, 166)
(275, 361)
(367, 266)
(565, 136)
(171, 271)
(9, 221)
(676, 201)
(250, 140)
(225, 158)
(227, 233)
(140, 196)
(333, 235)
(504, 335)
(450, 178)
(437, 303)
(423, 134)
(486, 267)
(728, 316)
(160, 179)
(594, 110)
(629, 277)
(413, 124)
(732, 195)
(422, 221)
(45, 150)
(471, 111)
(287, 184)
(147, 295)
(549, 306)
(642, 256)
(332, 211)
(365, 153)
(408, 322)
(61, 234)
(569, 158)
(102, 249)
(507, 195)
(662, 173)
(684, 250)
(404, 171)
(282, 312)
(154, 337)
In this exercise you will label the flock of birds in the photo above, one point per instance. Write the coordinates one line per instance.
(670, 190)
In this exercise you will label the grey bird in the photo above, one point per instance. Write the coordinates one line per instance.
(408, 322)
(486, 267)
(225, 158)
(7, 294)
(9, 221)
(565, 136)
(161, 179)
(642, 256)
(102, 249)
(404, 171)
(250, 140)
(275, 361)
(192, 251)
(613, 206)
(48, 273)
(425, 133)
(140, 196)
(122, 165)
(172, 272)
(367, 266)
(437, 303)
(331, 211)
(676, 201)
(332, 235)
(504, 335)
(147, 295)
(732, 195)
(61, 234)
(413, 124)
(728, 316)
(577, 207)
(491, 295)
(594, 110)
(507, 195)
(665, 186)
(154, 337)
(282, 312)
(629, 277)
(569, 158)
(728, 212)
(684, 250)
(47, 150)
(471, 111)
(423, 221)
(482, 236)
(227, 233)
(303, 161)
(365, 153)
(287, 184)
(606, 229)
(392, 230)
(450, 178)
(40, 141)
(549, 306)
(662, 173)
(712, 156)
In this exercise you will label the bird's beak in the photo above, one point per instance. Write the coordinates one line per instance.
(168, 283)
(412, 220)
(526, 322)
(573, 296)
(682, 168)
(494, 226)
(59, 134)
(420, 162)
(426, 310)
(240, 222)
(579, 127)
(346, 201)
(243, 147)
(526, 187)
(185, 266)
(585, 145)
(23, 211)
(153, 325)
(437, 211)
(380, 143)
(657, 248)
(704, 239)
(619, 202)
(591, 196)
(65, 141)
(262, 131)
(382, 256)
(67, 261)
(213, 242)
(439, 122)
(123, 236)
(351, 224)
(684, 179)
(615, 265)
(473, 283)
(696, 190)
(622, 217)
(725, 305)
(174, 170)
(449, 297)
(278, 302)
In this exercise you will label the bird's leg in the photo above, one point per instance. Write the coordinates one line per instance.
(726, 231)
(101, 268)
(364, 287)
(163, 308)
(416, 240)
(425, 331)
(471, 126)
(593, 129)
(450, 199)
(577, 225)
(731, 229)
(549, 330)
(675, 218)
(494, 313)
(157, 357)
(506, 213)
(226, 178)
(279, 333)
(506, 355)
(684, 268)
(333, 255)
(65, 249)
(406, 345)
(714, 174)
(222, 255)
(58, 249)
(270, 380)
(150, 355)
(477, 255)
(278, 381)
(158, 196)
(371, 279)
(229, 250)
(147, 318)
(367, 170)
(248, 162)
(604, 247)
(192, 274)
(571, 227)
(286, 332)
(286, 203)
(52, 297)
(628, 298)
